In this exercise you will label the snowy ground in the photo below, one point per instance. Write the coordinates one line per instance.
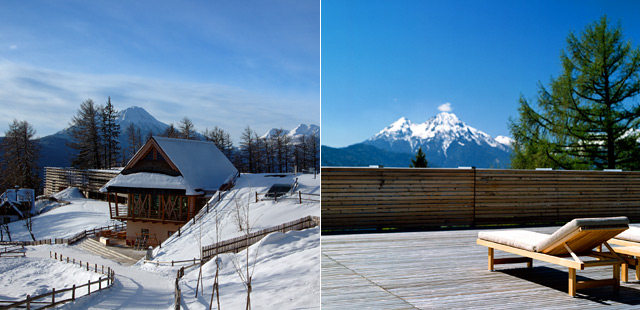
(38, 275)
(286, 276)
(263, 214)
(65, 220)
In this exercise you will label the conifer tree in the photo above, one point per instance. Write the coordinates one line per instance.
(171, 132)
(420, 161)
(186, 129)
(110, 134)
(86, 137)
(221, 139)
(248, 147)
(587, 118)
(20, 156)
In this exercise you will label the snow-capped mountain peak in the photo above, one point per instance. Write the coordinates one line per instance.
(135, 114)
(299, 131)
(442, 130)
(505, 140)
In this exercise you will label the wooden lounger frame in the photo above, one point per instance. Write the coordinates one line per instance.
(561, 253)
(630, 251)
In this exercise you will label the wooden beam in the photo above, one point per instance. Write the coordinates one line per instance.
(539, 256)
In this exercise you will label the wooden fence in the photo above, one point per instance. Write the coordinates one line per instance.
(31, 301)
(71, 240)
(409, 198)
(13, 251)
(239, 243)
(57, 179)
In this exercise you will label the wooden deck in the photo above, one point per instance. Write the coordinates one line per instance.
(446, 269)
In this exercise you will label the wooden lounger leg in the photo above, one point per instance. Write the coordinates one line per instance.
(624, 272)
(490, 259)
(637, 271)
(616, 277)
(572, 282)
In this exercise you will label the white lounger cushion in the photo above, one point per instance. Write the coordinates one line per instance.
(517, 238)
(537, 242)
(632, 234)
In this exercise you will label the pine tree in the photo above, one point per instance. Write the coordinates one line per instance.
(186, 129)
(85, 136)
(420, 161)
(110, 134)
(587, 117)
(20, 156)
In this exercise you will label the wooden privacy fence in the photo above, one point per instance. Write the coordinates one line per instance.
(56, 179)
(410, 198)
(239, 243)
(38, 300)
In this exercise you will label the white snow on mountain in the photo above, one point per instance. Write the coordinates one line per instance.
(299, 131)
(141, 119)
(505, 140)
(445, 127)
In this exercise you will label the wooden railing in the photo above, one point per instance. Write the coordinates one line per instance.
(239, 243)
(406, 198)
(298, 196)
(30, 301)
(13, 251)
(92, 180)
(71, 240)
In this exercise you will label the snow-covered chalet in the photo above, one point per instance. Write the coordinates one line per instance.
(166, 183)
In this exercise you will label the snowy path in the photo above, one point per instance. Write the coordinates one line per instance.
(134, 288)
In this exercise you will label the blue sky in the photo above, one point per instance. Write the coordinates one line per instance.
(382, 60)
(224, 63)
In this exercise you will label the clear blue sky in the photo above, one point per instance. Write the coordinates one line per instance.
(385, 59)
(224, 63)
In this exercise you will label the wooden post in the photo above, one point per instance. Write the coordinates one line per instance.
(28, 302)
(99, 283)
(96, 270)
(89, 287)
(256, 197)
(53, 295)
(572, 282)
(49, 254)
(102, 269)
(56, 255)
(67, 259)
(490, 259)
(172, 263)
(73, 292)
(87, 266)
(624, 273)
(616, 277)
(300, 197)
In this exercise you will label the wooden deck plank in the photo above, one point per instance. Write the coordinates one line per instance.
(446, 269)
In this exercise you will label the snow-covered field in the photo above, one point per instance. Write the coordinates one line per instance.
(38, 275)
(286, 275)
(65, 220)
(287, 266)
(263, 214)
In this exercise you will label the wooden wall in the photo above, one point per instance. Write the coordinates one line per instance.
(57, 179)
(406, 198)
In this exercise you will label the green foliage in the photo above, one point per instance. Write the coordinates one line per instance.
(420, 161)
(587, 117)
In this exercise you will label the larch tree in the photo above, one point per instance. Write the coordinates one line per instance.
(248, 147)
(221, 139)
(171, 132)
(110, 133)
(133, 138)
(85, 136)
(20, 156)
(588, 117)
(187, 129)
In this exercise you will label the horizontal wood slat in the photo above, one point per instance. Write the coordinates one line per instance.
(406, 198)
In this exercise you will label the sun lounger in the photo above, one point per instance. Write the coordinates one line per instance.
(629, 240)
(564, 247)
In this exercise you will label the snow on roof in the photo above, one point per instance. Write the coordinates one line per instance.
(202, 166)
(147, 180)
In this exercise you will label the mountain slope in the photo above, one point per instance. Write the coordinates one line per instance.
(296, 133)
(446, 140)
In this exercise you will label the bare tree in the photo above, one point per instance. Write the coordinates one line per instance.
(187, 129)
(246, 272)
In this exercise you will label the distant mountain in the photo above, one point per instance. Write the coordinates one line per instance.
(299, 131)
(446, 141)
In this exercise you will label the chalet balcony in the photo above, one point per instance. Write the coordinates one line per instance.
(150, 207)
